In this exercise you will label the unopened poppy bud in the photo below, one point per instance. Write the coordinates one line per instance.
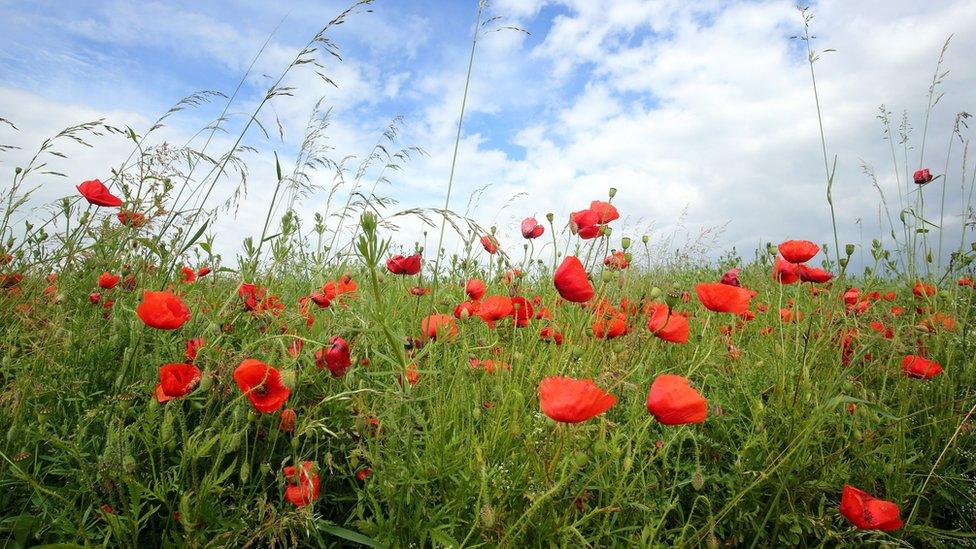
(672, 299)
(549, 217)
(18, 169)
(494, 229)
(605, 230)
(607, 276)
(849, 249)
(771, 249)
(613, 192)
(645, 239)
(843, 262)
(655, 292)
(625, 242)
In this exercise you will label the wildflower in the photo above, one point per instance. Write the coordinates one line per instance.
(107, 280)
(419, 291)
(916, 366)
(188, 275)
(922, 289)
(466, 309)
(98, 194)
(531, 228)
(922, 176)
(439, 325)
(490, 244)
(616, 261)
(475, 289)
(412, 374)
(666, 325)
(131, 219)
(302, 484)
(798, 251)
(867, 512)
(785, 272)
(550, 334)
(814, 274)
(400, 265)
(571, 281)
(176, 380)
(495, 308)
(672, 401)
(609, 328)
(287, 420)
(193, 346)
(722, 298)
(570, 400)
(335, 357)
(262, 385)
(731, 278)
(162, 310)
(204, 271)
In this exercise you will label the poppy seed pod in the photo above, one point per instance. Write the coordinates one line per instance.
(625, 242)
(849, 249)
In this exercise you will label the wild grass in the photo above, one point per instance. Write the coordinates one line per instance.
(463, 457)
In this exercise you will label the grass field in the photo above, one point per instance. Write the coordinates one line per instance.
(154, 394)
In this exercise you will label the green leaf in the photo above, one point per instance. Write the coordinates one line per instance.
(196, 237)
(349, 535)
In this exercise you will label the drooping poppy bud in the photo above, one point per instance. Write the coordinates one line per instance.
(335, 357)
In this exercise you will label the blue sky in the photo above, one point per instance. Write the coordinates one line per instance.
(696, 107)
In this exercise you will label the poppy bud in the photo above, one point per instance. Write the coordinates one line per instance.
(843, 262)
(613, 192)
(645, 239)
(605, 230)
(206, 382)
(671, 299)
(655, 292)
(549, 217)
(625, 242)
(849, 249)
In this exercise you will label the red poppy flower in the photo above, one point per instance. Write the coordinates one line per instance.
(731, 278)
(163, 310)
(897, 311)
(922, 176)
(785, 272)
(262, 385)
(605, 211)
(475, 289)
(570, 400)
(916, 366)
(522, 311)
(585, 223)
(108, 281)
(490, 244)
(609, 328)
(176, 380)
(886, 331)
(531, 228)
(466, 309)
(965, 281)
(320, 299)
(495, 308)
(412, 374)
(363, 474)
(667, 326)
(923, 290)
(439, 325)
(303, 484)
(418, 291)
(131, 219)
(722, 298)
(571, 281)
(94, 297)
(189, 275)
(335, 357)
(789, 315)
(550, 334)
(672, 401)
(98, 194)
(204, 271)
(616, 261)
(193, 346)
(798, 251)
(814, 274)
(867, 512)
(400, 265)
